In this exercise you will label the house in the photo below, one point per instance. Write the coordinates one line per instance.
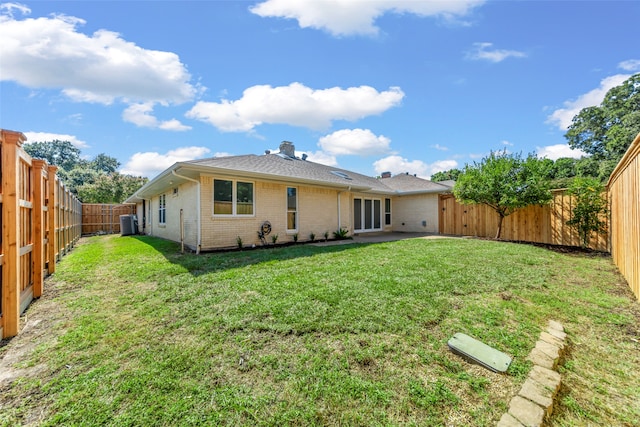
(213, 203)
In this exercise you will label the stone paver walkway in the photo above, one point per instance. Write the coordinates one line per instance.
(534, 402)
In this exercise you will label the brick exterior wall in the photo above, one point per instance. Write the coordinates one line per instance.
(409, 212)
(317, 213)
(320, 210)
(184, 199)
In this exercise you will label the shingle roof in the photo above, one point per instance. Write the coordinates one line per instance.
(279, 166)
(291, 169)
(405, 183)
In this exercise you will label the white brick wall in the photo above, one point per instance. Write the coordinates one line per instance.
(409, 212)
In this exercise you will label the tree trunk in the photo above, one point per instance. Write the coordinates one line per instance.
(500, 218)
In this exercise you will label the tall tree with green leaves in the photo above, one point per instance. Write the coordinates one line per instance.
(58, 153)
(95, 181)
(606, 131)
(504, 182)
(589, 211)
(450, 175)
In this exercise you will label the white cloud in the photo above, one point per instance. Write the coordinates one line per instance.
(50, 52)
(140, 115)
(630, 65)
(439, 147)
(222, 154)
(295, 105)
(396, 164)
(507, 143)
(348, 17)
(151, 163)
(47, 137)
(320, 157)
(484, 52)
(7, 9)
(359, 142)
(554, 152)
(563, 117)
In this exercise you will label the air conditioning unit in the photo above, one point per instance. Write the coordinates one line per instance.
(128, 225)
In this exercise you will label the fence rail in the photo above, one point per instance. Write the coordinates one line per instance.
(624, 199)
(538, 224)
(41, 221)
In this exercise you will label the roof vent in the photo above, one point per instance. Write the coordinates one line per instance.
(386, 175)
(304, 156)
(288, 149)
(267, 151)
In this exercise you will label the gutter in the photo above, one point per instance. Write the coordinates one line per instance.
(199, 237)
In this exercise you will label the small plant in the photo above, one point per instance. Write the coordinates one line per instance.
(295, 237)
(326, 236)
(312, 237)
(341, 234)
(239, 242)
(274, 239)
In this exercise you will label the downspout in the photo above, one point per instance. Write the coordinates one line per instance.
(339, 208)
(199, 239)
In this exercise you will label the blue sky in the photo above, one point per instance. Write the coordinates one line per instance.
(369, 86)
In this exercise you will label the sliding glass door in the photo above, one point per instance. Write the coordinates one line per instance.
(367, 214)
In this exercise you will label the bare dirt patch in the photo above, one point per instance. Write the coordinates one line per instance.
(39, 327)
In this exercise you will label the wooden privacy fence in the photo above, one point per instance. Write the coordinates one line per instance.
(624, 199)
(98, 218)
(538, 224)
(40, 221)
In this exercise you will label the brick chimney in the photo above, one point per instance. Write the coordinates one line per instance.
(288, 149)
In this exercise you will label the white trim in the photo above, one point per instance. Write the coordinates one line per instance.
(296, 211)
(234, 199)
(362, 215)
(162, 209)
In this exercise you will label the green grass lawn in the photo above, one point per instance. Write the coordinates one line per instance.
(337, 335)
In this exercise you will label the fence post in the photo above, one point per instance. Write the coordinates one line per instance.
(11, 142)
(40, 193)
(53, 238)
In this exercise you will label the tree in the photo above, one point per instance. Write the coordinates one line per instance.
(450, 175)
(110, 188)
(505, 183)
(589, 208)
(58, 153)
(95, 181)
(105, 163)
(606, 131)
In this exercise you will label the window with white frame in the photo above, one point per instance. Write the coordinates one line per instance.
(292, 209)
(233, 198)
(387, 211)
(162, 209)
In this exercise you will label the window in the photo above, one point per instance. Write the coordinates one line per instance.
(162, 209)
(292, 209)
(244, 198)
(387, 211)
(232, 197)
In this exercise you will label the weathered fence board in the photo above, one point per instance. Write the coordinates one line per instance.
(103, 218)
(624, 199)
(40, 221)
(538, 224)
